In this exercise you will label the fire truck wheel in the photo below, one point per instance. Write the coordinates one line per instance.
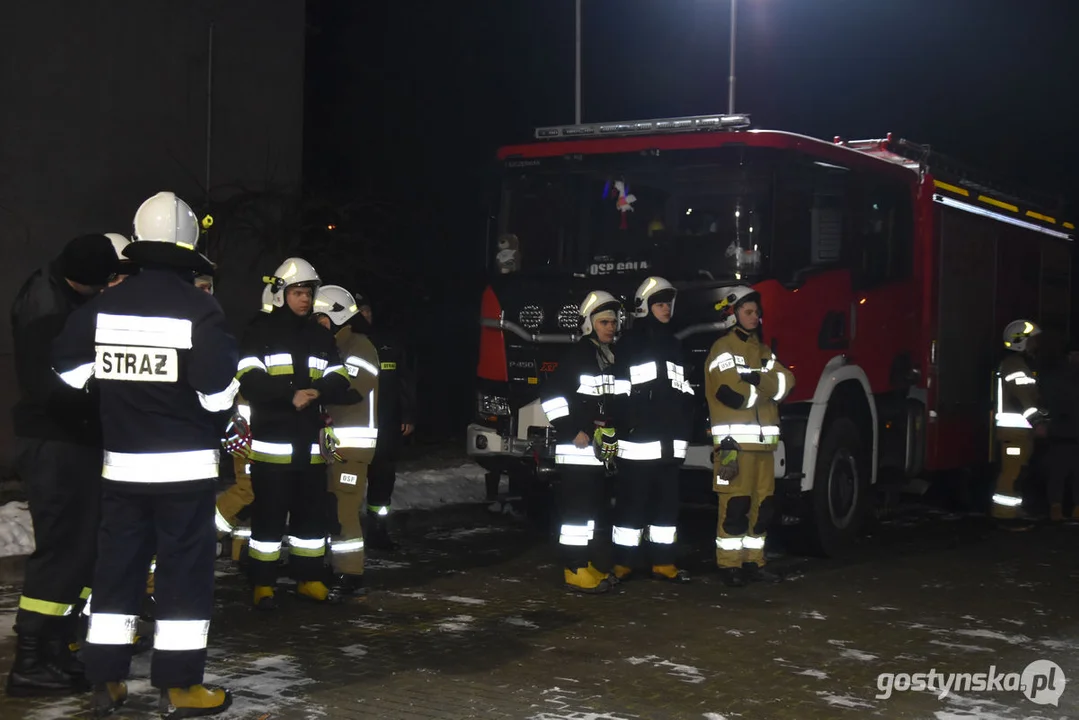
(840, 495)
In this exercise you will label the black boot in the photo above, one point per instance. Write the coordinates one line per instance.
(37, 672)
(755, 573)
(732, 576)
(377, 534)
(344, 586)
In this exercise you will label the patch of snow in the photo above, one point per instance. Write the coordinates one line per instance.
(521, 622)
(16, 529)
(994, 635)
(260, 686)
(884, 608)
(852, 654)
(366, 624)
(353, 651)
(458, 623)
(714, 716)
(814, 615)
(1013, 622)
(412, 595)
(960, 646)
(685, 673)
(459, 533)
(371, 563)
(426, 489)
(736, 633)
(844, 701)
(813, 673)
(465, 600)
(566, 706)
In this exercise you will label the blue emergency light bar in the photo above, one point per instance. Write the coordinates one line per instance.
(693, 123)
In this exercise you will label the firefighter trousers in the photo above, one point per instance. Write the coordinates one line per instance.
(646, 510)
(63, 487)
(179, 526)
(234, 499)
(580, 504)
(381, 477)
(1014, 448)
(296, 493)
(746, 507)
(1062, 470)
(348, 483)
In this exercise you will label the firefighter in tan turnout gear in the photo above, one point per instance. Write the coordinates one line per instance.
(744, 384)
(1019, 416)
(356, 429)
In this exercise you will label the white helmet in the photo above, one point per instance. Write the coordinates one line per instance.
(119, 242)
(734, 297)
(336, 303)
(1018, 332)
(650, 287)
(294, 271)
(166, 233)
(598, 301)
(166, 218)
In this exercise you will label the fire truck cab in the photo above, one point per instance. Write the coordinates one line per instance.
(886, 271)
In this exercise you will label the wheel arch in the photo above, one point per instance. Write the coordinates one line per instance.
(842, 388)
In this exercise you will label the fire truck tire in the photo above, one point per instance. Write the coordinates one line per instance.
(840, 498)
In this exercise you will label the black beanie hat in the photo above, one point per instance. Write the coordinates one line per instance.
(89, 260)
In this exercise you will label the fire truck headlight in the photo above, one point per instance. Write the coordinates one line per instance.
(493, 405)
(568, 318)
(531, 317)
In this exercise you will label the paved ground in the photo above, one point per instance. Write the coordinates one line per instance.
(468, 620)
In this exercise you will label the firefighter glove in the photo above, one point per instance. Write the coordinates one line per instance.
(328, 444)
(753, 378)
(237, 440)
(727, 459)
(605, 442)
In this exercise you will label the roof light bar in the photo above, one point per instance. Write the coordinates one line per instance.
(693, 123)
(943, 200)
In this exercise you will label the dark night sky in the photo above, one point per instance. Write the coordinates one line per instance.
(407, 101)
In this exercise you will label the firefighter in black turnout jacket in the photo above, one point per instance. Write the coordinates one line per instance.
(577, 403)
(654, 426)
(289, 366)
(164, 362)
(57, 454)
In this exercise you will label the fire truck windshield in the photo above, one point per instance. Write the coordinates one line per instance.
(685, 214)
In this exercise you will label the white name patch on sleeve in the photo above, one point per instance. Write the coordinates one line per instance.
(141, 364)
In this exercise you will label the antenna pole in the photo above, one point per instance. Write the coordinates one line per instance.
(577, 72)
(730, 85)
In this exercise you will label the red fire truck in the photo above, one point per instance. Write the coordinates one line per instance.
(887, 273)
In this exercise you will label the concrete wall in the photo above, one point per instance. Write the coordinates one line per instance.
(103, 104)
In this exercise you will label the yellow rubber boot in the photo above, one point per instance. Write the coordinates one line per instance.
(586, 580)
(108, 698)
(263, 597)
(194, 701)
(622, 572)
(669, 573)
(313, 589)
(1056, 512)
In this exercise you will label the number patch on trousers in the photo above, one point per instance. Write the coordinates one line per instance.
(116, 362)
(348, 479)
